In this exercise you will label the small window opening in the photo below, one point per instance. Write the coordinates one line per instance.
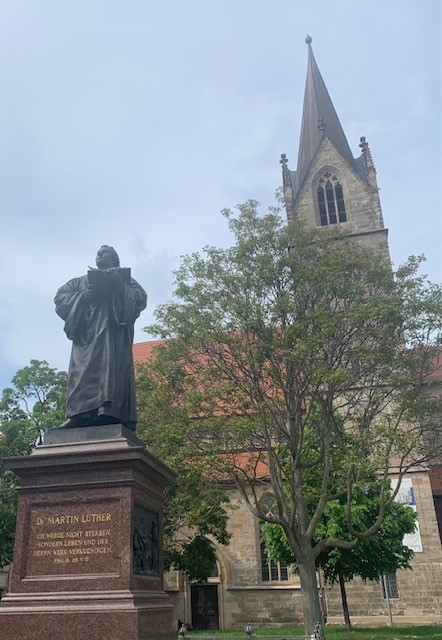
(391, 581)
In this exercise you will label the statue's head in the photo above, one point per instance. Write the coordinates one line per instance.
(107, 257)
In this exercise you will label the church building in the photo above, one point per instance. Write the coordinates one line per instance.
(329, 188)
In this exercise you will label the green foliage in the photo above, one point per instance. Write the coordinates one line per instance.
(379, 554)
(197, 559)
(35, 402)
(287, 328)
(193, 508)
(8, 509)
(193, 511)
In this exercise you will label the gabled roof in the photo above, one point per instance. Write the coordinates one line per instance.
(319, 119)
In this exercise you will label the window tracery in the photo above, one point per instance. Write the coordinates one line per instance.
(331, 200)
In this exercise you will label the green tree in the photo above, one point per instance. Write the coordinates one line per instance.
(379, 554)
(35, 402)
(193, 508)
(285, 322)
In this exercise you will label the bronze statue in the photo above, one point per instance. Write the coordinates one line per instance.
(99, 311)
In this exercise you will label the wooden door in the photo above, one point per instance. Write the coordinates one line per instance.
(204, 600)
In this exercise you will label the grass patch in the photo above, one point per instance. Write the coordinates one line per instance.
(386, 633)
(412, 632)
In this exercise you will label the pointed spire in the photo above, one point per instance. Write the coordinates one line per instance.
(319, 119)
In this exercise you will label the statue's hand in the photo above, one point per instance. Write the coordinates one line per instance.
(91, 292)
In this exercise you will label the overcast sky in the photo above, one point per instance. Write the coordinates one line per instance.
(134, 122)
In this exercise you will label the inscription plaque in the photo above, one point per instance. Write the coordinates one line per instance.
(65, 538)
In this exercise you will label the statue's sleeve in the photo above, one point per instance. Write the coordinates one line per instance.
(138, 298)
(128, 306)
(69, 305)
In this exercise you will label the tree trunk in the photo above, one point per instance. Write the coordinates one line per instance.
(309, 590)
(344, 603)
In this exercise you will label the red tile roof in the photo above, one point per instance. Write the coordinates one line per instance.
(142, 351)
(252, 464)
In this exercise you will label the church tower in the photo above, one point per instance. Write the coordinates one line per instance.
(330, 187)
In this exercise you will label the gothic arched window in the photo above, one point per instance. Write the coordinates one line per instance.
(271, 570)
(330, 200)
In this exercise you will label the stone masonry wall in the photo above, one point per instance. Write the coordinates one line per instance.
(243, 596)
(419, 589)
(247, 598)
(263, 607)
(362, 203)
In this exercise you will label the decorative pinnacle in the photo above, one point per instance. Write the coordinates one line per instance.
(286, 182)
(308, 39)
(366, 153)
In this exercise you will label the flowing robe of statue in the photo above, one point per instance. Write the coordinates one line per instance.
(101, 371)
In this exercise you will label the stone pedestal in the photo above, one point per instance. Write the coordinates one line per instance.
(88, 562)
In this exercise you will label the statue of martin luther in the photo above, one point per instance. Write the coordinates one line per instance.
(99, 311)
